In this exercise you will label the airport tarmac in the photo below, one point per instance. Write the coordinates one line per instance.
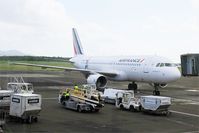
(55, 119)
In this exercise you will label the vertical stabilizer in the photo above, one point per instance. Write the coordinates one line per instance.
(78, 50)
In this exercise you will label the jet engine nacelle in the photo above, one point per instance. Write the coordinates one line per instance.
(160, 85)
(99, 80)
(163, 85)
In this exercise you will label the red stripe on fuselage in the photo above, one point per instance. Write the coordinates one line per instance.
(141, 60)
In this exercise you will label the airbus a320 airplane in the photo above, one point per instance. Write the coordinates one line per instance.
(155, 70)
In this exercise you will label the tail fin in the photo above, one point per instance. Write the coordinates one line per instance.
(78, 50)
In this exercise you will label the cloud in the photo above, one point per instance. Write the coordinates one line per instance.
(43, 13)
(160, 24)
(44, 28)
(35, 26)
(195, 4)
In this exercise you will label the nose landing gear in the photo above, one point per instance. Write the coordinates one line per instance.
(156, 92)
(133, 86)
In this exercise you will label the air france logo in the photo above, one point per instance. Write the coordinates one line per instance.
(132, 60)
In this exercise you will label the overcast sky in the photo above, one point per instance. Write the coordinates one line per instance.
(106, 27)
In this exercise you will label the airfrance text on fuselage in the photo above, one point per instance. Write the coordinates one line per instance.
(132, 60)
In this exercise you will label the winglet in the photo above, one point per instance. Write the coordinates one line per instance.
(78, 50)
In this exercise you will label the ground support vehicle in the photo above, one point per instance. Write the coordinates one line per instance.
(77, 100)
(80, 106)
(5, 96)
(2, 118)
(20, 87)
(25, 107)
(155, 104)
(126, 100)
(109, 95)
(91, 92)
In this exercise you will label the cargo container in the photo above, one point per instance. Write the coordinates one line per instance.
(155, 104)
(25, 106)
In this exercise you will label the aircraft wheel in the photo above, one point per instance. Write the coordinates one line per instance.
(29, 120)
(121, 107)
(130, 86)
(156, 93)
(91, 109)
(132, 108)
(140, 108)
(35, 119)
(79, 109)
(135, 88)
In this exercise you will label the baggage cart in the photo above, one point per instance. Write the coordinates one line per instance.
(155, 104)
(25, 106)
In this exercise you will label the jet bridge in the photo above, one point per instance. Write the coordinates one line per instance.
(190, 64)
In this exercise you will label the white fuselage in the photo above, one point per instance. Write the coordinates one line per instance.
(131, 68)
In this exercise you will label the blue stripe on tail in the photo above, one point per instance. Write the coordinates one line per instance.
(77, 43)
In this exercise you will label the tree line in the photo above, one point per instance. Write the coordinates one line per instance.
(33, 58)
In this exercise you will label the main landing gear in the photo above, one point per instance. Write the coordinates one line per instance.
(133, 86)
(156, 92)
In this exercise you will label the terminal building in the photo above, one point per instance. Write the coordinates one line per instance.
(190, 64)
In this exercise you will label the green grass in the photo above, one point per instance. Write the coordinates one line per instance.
(5, 66)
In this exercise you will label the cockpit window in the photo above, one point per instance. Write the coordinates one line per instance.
(158, 65)
(168, 64)
(162, 64)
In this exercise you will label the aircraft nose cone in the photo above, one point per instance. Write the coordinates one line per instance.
(176, 74)
(172, 75)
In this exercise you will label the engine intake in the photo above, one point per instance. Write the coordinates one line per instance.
(99, 80)
(159, 85)
(163, 85)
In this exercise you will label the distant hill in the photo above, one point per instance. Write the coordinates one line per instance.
(11, 53)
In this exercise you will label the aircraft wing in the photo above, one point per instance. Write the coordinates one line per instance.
(108, 74)
(85, 71)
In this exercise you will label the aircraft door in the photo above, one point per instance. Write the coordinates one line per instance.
(146, 73)
(86, 64)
